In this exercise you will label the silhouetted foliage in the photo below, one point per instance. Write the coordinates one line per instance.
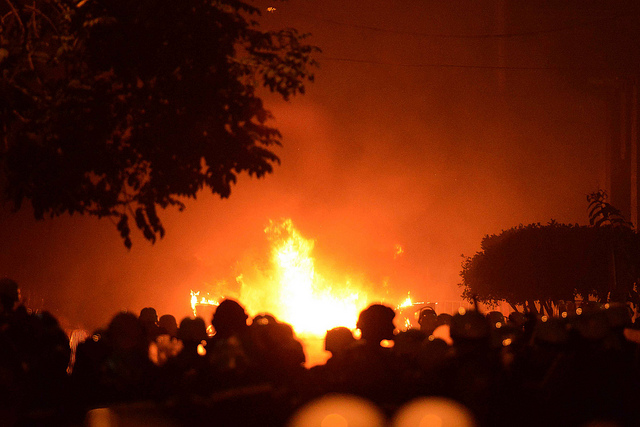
(116, 108)
(552, 263)
(626, 250)
(602, 212)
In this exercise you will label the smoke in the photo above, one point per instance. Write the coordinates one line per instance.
(376, 154)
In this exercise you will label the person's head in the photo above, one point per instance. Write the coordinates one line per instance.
(376, 323)
(469, 326)
(192, 330)
(619, 315)
(444, 319)
(149, 315)
(338, 339)
(9, 294)
(168, 324)
(125, 331)
(263, 319)
(495, 319)
(229, 318)
(550, 331)
(517, 319)
(428, 320)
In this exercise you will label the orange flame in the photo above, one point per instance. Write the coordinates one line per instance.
(310, 302)
(293, 289)
(203, 301)
(407, 302)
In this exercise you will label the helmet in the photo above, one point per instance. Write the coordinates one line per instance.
(494, 318)
(338, 339)
(428, 319)
(619, 315)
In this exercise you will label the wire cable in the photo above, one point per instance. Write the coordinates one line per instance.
(463, 66)
(472, 36)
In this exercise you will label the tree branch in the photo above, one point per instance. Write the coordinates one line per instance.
(17, 15)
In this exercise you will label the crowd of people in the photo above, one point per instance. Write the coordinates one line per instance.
(579, 368)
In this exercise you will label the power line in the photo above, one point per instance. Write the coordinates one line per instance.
(471, 36)
(463, 66)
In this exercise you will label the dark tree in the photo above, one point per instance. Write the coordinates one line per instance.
(624, 246)
(552, 263)
(115, 108)
(602, 213)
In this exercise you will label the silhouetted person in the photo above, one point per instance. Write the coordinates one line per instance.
(117, 366)
(34, 355)
(428, 320)
(193, 333)
(188, 372)
(406, 351)
(472, 373)
(376, 324)
(229, 319)
(517, 319)
(168, 325)
(337, 340)
(372, 369)
(279, 356)
(87, 375)
(149, 320)
(9, 296)
(407, 347)
(611, 385)
(443, 319)
(263, 319)
(432, 354)
(495, 319)
(231, 351)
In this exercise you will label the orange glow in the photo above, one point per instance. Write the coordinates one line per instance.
(399, 251)
(202, 301)
(405, 316)
(292, 288)
(387, 343)
(201, 350)
(407, 324)
(407, 302)
(433, 412)
(309, 301)
(338, 410)
(334, 420)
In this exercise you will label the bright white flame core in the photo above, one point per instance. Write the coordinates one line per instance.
(293, 290)
(407, 302)
(307, 300)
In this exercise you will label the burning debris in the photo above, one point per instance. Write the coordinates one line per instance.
(294, 290)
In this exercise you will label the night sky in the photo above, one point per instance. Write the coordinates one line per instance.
(416, 132)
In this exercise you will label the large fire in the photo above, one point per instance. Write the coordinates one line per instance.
(293, 290)
(308, 300)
